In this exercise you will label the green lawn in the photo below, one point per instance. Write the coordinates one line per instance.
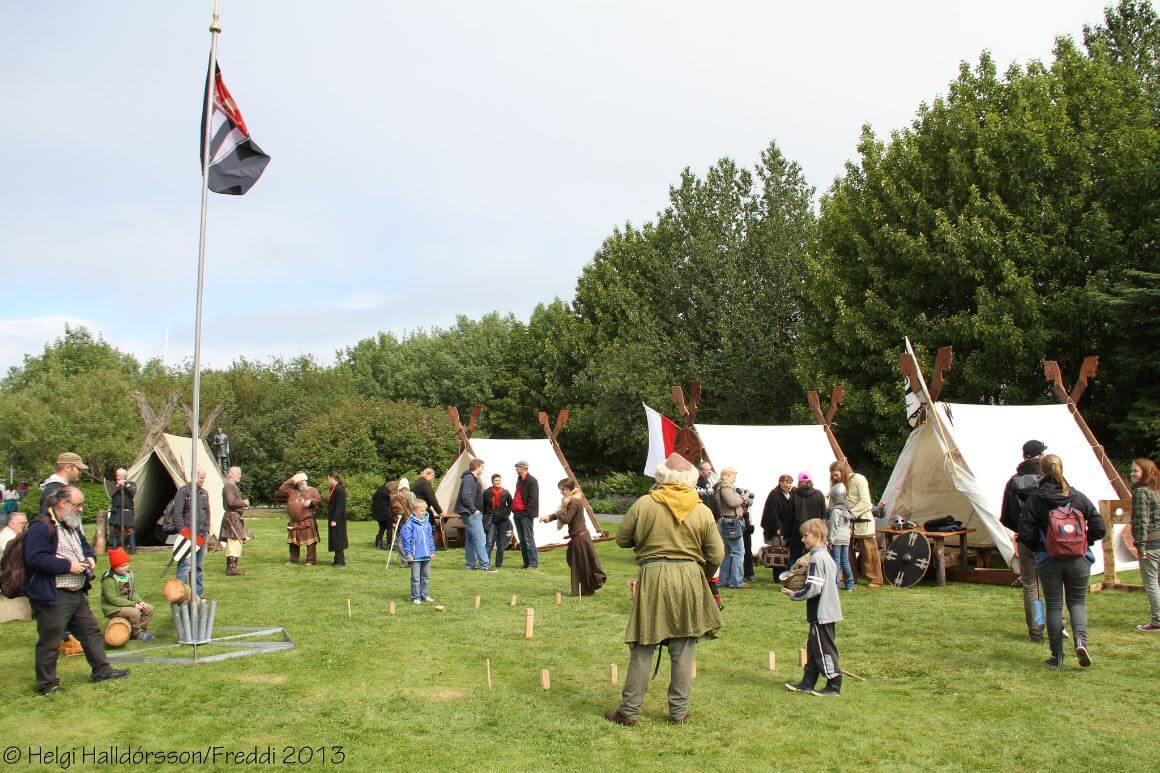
(951, 680)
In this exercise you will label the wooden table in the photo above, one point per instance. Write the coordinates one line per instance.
(938, 548)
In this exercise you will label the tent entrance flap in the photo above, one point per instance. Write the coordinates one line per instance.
(155, 490)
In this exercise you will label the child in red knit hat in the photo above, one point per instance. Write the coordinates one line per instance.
(119, 597)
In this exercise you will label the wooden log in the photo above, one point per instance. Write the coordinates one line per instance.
(529, 622)
(694, 669)
(559, 598)
(632, 588)
(854, 676)
(488, 670)
(612, 673)
(771, 659)
(513, 601)
(440, 608)
(802, 658)
(545, 679)
(477, 602)
(391, 608)
(349, 613)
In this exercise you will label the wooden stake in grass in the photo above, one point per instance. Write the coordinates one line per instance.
(391, 608)
(529, 622)
(349, 614)
(488, 673)
(632, 588)
(513, 601)
(854, 676)
(803, 658)
(694, 669)
(559, 599)
(477, 602)
(772, 658)
(545, 679)
(612, 673)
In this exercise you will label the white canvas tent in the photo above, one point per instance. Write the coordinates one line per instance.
(960, 467)
(500, 456)
(158, 474)
(761, 454)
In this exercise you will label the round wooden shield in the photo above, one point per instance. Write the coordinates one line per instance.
(907, 559)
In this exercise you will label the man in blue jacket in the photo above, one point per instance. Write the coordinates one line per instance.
(469, 508)
(58, 566)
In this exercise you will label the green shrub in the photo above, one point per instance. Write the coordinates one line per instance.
(96, 500)
(626, 483)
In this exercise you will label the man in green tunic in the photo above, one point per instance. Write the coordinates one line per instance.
(677, 549)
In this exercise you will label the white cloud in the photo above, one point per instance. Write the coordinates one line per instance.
(19, 337)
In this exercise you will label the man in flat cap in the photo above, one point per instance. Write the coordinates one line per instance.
(525, 512)
(68, 471)
(677, 550)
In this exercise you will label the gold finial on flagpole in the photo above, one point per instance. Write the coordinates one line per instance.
(215, 26)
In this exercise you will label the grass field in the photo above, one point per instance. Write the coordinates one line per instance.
(951, 681)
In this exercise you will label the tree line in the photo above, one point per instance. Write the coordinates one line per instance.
(1017, 218)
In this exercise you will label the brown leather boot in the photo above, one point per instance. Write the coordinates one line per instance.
(232, 567)
(615, 716)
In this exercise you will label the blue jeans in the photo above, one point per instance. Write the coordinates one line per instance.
(734, 562)
(475, 544)
(420, 579)
(183, 568)
(842, 559)
(526, 533)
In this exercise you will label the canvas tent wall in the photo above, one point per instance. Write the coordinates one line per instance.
(761, 454)
(161, 471)
(957, 463)
(500, 456)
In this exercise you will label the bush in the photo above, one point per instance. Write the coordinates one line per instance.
(96, 500)
(626, 483)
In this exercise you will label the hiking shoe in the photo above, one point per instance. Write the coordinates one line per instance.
(682, 720)
(618, 718)
(1055, 661)
(826, 692)
(1148, 627)
(428, 599)
(144, 636)
(416, 601)
(48, 689)
(110, 673)
(1036, 637)
(1081, 653)
(799, 687)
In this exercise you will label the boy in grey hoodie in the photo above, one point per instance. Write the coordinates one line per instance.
(840, 518)
(823, 611)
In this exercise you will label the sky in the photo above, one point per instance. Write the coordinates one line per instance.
(428, 159)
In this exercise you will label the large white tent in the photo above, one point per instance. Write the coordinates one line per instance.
(958, 460)
(500, 456)
(165, 468)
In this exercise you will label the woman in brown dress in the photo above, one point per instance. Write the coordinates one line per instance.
(587, 575)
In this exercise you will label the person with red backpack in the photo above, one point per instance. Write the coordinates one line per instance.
(1060, 524)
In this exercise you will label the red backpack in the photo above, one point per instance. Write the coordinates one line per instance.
(1066, 533)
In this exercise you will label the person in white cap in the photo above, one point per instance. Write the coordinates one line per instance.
(302, 501)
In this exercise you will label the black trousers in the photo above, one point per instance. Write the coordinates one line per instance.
(793, 541)
(70, 612)
(747, 568)
(821, 653)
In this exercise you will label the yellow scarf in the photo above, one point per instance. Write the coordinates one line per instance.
(678, 498)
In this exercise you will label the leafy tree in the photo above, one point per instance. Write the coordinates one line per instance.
(994, 223)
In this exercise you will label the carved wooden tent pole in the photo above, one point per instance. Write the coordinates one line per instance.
(553, 433)
(1087, 370)
(463, 434)
(827, 419)
(688, 441)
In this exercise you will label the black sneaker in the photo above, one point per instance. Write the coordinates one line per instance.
(110, 673)
(826, 692)
(1055, 661)
(799, 687)
(48, 689)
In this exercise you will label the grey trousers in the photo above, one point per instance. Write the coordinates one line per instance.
(1029, 577)
(640, 665)
(1066, 580)
(1150, 573)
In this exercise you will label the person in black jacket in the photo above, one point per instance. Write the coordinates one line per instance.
(336, 541)
(1015, 493)
(497, 507)
(424, 490)
(1061, 578)
(808, 503)
(778, 508)
(469, 508)
(58, 565)
(381, 509)
(526, 511)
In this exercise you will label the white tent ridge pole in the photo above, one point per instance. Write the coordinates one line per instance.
(214, 29)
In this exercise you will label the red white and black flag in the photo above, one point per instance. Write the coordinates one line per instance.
(235, 161)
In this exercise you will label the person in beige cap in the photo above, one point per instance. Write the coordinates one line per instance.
(302, 502)
(678, 548)
(68, 471)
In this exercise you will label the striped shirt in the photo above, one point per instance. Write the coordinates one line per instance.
(68, 547)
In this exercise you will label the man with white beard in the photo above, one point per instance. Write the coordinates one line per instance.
(58, 565)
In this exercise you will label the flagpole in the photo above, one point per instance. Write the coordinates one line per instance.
(214, 29)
